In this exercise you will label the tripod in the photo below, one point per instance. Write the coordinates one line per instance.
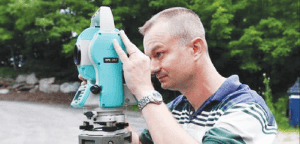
(104, 127)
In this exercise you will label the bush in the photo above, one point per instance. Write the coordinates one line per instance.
(8, 72)
(268, 93)
(46, 68)
(279, 109)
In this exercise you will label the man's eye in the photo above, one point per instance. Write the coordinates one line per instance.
(159, 54)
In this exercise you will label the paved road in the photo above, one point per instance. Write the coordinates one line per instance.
(32, 123)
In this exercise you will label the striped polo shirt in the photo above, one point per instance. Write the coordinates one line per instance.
(235, 114)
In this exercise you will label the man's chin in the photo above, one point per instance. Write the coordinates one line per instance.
(167, 87)
(163, 85)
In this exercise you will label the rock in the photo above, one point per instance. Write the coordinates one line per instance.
(26, 88)
(4, 91)
(5, 84)
(76, 85)
(9, 79)
(44, 88)
(69, 87)
(34, 89)
(45, 84)
(17, 85)
(21, 78)
(54, 88)
(31, 79)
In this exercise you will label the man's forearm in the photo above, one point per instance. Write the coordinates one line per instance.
(163, 127)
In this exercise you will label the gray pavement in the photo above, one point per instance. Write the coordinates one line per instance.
(35, 123)
(32, 123)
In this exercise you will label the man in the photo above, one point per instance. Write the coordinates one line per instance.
(212, 109)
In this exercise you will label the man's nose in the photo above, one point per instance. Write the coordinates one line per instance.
(155, 67)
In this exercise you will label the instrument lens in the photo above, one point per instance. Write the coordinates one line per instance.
(77, 55)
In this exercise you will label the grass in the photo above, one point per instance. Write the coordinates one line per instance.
(289, 129)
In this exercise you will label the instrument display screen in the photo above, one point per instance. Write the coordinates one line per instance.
(111, 60)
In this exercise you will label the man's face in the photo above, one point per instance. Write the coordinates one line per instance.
(171, 62)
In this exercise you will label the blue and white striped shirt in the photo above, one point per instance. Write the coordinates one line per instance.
(235, 114)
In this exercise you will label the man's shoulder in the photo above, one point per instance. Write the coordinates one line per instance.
(243, 95)
(176, 102)
(233, 92)
(245, 100)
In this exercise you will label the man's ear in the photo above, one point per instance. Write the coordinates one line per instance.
(198, 46)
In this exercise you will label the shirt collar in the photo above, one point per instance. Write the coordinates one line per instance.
(230, 85)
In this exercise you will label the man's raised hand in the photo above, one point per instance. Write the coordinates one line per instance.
(137, 67)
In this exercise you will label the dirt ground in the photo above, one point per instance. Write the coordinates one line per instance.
(39, 97)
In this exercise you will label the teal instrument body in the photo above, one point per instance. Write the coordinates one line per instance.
(98, 63)
(109, 68)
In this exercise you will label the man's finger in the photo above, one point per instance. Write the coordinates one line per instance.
(120, 51)
(130, 47)
(80, 77)
(84, 82)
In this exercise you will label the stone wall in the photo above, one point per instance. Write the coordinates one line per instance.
(32, 84)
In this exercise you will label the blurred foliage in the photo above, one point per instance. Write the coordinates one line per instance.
(279, 109)
(245, 37)
(46, 69)
(39, 30)
(8, 72)
(134, 108)
(268, 93)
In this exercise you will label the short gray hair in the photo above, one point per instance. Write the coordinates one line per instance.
(185, 24)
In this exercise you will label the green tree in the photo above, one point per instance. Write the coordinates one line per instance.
(270, 41)
(39, 29)
(8, 38)
(245, 37)
(128, 16)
